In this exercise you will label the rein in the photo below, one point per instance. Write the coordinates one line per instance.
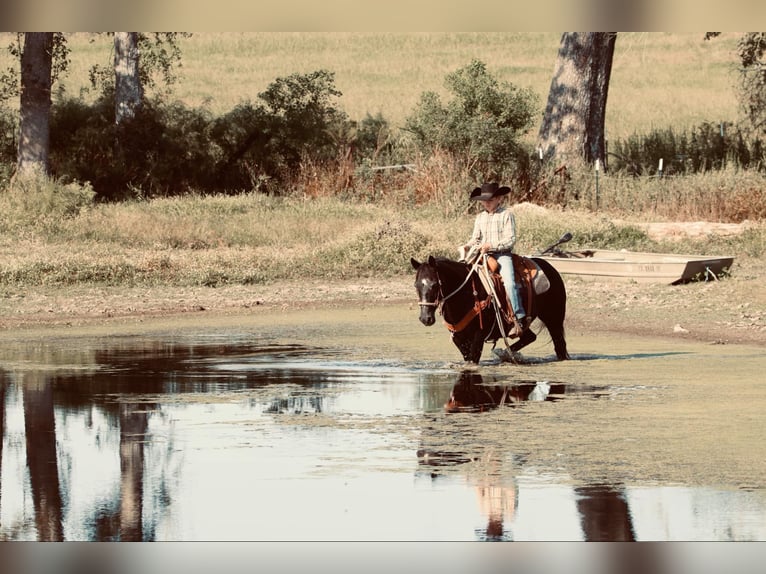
(478, 305)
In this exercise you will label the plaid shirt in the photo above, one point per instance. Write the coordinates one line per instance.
(498, 229)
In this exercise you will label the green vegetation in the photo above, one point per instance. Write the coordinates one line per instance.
(658, 79)
(482, 124)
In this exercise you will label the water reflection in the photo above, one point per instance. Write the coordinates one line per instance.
(471, 394)
(40, 433)
(153, 440)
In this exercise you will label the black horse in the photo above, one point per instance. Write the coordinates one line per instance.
(469, 311)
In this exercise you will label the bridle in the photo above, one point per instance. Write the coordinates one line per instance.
(478, 306)
(440, 298)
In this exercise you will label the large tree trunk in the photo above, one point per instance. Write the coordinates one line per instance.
(573, 124)
(35, 103)
(128, 94)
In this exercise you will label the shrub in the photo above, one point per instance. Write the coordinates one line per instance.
(375, 141)
(8, 127)
(169, 149)
(38, 202)
(482, 123)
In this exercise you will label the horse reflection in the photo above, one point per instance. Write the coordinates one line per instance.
(470, 394)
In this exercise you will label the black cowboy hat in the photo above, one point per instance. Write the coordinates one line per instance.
(488, 191)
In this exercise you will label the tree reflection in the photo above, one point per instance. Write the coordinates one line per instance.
(602, 510)
(2, 429)
(40, 429)
(133, 425)
(604, 514)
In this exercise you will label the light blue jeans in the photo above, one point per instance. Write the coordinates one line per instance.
(509, 280)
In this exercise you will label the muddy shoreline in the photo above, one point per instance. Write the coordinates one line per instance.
(731, 311)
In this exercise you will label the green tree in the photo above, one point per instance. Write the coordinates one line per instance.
(155, 58)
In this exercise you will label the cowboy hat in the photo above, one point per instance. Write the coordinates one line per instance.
(488, 191)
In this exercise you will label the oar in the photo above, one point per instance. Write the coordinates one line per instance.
(563, 239)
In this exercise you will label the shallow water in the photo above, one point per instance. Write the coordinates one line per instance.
(280, 433)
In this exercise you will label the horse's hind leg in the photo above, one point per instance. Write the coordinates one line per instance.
(559, 342)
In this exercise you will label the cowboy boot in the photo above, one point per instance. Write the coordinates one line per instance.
(518, 327)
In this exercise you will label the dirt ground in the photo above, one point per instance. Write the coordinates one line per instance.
(731, 310)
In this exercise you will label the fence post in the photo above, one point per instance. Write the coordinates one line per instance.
(597, 170)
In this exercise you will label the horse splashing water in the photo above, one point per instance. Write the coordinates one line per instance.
(469, 310)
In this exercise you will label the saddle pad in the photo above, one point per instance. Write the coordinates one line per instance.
(540, 281)
(526, 269)
(531, 273)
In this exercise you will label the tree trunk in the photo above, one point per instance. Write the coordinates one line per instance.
(128, 94)
(573, 124)
(35, 104)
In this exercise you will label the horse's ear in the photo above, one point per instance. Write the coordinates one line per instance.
(431, 261)
(415, 264)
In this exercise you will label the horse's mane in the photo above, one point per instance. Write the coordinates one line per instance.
(457, 269)
(451, 263)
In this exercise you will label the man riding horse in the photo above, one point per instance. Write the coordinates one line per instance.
(471, 298)
(494, 233)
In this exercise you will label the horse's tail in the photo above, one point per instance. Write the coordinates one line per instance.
(552, 308)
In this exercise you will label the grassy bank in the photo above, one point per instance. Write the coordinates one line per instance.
(259, 239)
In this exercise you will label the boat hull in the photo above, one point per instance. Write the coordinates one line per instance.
(600, 264)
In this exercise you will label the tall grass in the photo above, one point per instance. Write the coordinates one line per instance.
(253, 238)
(729, 195)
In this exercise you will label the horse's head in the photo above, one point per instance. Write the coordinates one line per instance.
(463, 397)
(428, 287)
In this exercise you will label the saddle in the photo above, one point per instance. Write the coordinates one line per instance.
(528, 275)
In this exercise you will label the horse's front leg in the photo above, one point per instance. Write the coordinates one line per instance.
(477, 347)
(470, 346)
(525, 339)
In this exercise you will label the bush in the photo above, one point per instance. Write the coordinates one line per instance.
(8, 128)
(41, 203)
(482, 123)
(381, 251)
(170, 149)
(374, 140)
